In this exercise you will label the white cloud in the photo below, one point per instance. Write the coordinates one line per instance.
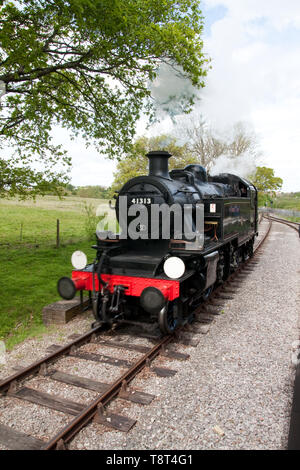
(256, 77)
(280, 140)
(280, 14)
(88, 166)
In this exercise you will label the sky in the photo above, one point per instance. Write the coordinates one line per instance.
(254, 46)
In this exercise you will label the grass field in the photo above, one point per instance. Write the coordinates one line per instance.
(35, 222)
(28, 279)
(31, 268)
(287, 201)
(31, 264)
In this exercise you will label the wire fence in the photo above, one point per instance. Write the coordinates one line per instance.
(50, 222)
(282, 212)
(56, 234)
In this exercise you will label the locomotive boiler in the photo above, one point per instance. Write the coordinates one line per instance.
(195, 230)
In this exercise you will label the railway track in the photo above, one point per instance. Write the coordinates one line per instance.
(95, 411)
(289, 223)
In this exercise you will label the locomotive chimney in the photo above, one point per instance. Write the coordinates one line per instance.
(158, 163)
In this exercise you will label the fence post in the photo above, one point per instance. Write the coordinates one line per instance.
(57, 234)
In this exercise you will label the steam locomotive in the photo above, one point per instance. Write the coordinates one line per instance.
(158, 272)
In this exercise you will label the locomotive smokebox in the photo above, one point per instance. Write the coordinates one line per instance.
(158, 163)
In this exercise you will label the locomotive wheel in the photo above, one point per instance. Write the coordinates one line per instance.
(166, 319)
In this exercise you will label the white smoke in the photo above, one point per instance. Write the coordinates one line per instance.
(242, 165)
(171, 91)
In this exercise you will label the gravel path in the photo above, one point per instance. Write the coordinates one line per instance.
(234, 392)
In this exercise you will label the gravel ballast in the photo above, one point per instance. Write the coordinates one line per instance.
(234, 392)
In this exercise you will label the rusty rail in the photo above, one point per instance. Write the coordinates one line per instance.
(66, 434)
(35, 367)
(289, 223)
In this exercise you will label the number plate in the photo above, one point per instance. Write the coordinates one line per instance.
(141, 200)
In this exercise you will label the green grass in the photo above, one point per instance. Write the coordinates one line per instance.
(292, 219)
(31, 267)
(34, 223)
(28, 280)
(287, 201)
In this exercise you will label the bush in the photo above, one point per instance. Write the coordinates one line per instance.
(91, 220)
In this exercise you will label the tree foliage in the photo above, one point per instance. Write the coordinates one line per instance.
(25, 182)
(265, 180)
(86, 65)
(136, 163)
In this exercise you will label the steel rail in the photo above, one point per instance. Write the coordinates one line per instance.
(289, 223)
(283, 220)
(261, 242)
(69, 431)
(35, 367)
(66, 434)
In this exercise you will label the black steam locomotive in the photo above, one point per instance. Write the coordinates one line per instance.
(157, 275)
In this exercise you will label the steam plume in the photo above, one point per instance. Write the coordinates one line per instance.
(172, 92)
(242, 165)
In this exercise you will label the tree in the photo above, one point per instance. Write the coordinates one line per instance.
(242, 140)
(266, 183)
(26, 182)
(207, 145)
(136, 163)
(203, 144)
(86, 65)
(265, 180)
